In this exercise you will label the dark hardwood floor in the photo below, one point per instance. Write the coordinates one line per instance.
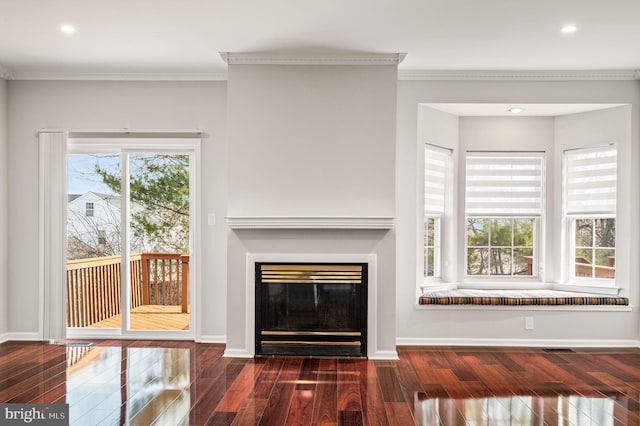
(182, 383)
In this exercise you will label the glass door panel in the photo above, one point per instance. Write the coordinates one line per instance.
(93, 241)
(159, 240)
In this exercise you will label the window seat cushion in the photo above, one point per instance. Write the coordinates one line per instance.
(516, 298)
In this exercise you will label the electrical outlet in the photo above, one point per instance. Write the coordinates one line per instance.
(528, 323)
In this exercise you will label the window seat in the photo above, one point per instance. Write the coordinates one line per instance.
(516, 298)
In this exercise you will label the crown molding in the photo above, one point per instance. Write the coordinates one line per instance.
(489, 75)
(270, 222)
(251, 58)
(74, 76)
(375, 59)
(5, 73)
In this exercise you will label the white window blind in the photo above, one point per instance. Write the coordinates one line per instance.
(435, 176)
(504, 184)
(590, 179)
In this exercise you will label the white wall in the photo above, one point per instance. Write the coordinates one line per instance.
(485, 325)
(3, 209)
(312, 140)
(112, 106)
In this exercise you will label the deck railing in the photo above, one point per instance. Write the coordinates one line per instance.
(584, 268)
(93, 285)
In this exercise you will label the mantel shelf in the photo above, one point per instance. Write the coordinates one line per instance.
(290, 222)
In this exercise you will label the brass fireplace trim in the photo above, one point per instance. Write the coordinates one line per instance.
(311, 274)
(308, 343)
(312, 333)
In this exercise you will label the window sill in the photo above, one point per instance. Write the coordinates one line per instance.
(610, 290)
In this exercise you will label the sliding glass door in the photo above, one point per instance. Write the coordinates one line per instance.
(159, 236)
(130, 238)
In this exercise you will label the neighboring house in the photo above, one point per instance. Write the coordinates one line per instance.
(93, 228)
(93, 225)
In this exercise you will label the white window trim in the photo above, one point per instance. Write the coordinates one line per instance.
(437, 281)
(569, 281)
(537, 281)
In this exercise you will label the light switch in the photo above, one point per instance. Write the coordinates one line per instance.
(211, 219)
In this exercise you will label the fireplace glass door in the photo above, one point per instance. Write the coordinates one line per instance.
(311, 309)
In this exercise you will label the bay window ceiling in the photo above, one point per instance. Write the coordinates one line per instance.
(527, 202)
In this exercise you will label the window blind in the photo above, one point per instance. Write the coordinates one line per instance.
(510, 184)
(590, 180)
(435, 176)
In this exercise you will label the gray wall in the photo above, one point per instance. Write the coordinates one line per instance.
(3, 209)
(464, 325)
(312, 141)
(188, 105)
(112, 106)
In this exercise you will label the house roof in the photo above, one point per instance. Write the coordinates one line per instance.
(114, 200)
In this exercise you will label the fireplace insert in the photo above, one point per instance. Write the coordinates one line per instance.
(311, 309)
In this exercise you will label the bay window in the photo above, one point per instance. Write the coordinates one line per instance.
(504, 206)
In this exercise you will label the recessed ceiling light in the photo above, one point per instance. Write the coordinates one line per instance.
(569, 29)
(67, 29)
(516, 110)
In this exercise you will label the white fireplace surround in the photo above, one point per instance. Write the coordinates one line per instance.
(372, 284)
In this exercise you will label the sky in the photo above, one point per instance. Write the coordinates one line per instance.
(81, 175)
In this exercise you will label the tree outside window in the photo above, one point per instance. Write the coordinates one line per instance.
(500, 246)
(431, 246)
(595, 242)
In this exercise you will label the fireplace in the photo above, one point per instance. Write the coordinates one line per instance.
(311, 309)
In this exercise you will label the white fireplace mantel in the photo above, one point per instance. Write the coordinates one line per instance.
(295, 222)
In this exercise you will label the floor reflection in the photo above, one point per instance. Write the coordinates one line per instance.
(113, 385)
(569, 410)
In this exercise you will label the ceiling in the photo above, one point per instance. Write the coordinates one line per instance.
(183, 37)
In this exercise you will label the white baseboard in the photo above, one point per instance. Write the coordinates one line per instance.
(383, 355)
(212, 338)
(19, 336)
(237, 353)
(547, 343)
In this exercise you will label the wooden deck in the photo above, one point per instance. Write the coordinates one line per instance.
(150, 317)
